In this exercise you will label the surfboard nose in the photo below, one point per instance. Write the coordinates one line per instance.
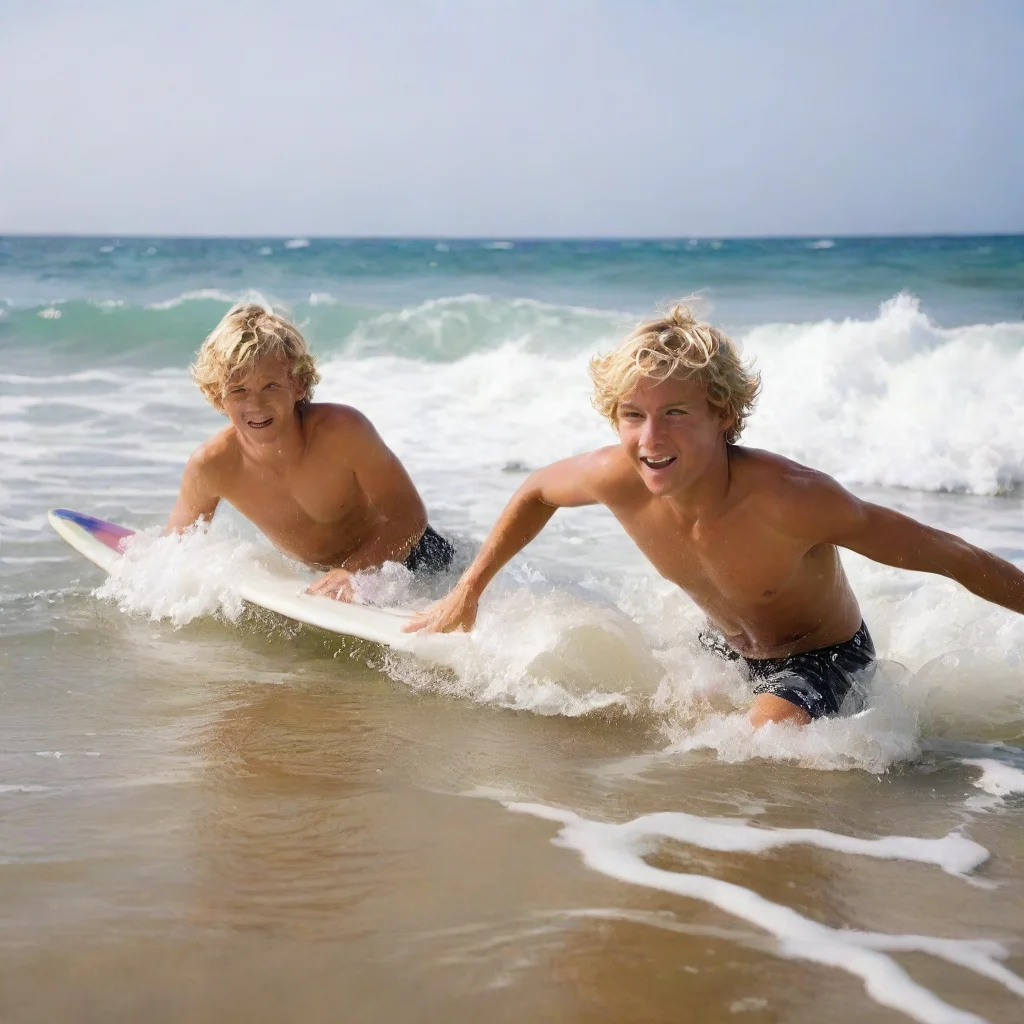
(65, 521)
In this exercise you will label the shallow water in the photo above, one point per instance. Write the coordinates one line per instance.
(209, 813)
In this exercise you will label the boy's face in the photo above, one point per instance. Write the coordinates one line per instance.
(261, 403)
(670, 432)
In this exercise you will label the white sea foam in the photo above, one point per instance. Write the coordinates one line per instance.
(618, 851)
(180, 577)
(895, 400)
(953, 853)
(998, 779)
(297, 243)
(546, 651)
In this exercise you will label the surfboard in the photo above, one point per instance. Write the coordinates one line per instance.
(276, 590)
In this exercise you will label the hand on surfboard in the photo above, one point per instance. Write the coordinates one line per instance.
(451, 613)
(337, 584)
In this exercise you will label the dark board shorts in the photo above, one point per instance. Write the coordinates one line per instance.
(817, 681)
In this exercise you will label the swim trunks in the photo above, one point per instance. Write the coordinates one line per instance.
(817, 681)
(431, 553)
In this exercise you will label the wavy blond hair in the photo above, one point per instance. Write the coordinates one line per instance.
(247, 333)
(677, 345)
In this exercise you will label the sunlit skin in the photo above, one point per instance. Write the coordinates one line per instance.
(316, 478)
(749, 535)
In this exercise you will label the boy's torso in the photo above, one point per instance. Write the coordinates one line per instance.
(770, 594)
(313, 508)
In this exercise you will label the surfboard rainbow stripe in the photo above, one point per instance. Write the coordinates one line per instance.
(110, 534)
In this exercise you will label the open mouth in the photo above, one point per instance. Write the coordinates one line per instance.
(259, 424)
(657, 463)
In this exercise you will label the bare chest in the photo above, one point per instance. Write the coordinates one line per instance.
(734, 563)
(308, 511)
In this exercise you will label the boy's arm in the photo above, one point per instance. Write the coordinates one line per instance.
(386, 483)
(894, 539)
(383, 478)
(197, 497)
(565, 484)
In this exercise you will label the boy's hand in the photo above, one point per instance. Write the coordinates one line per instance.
(456, 611)
(337, 584)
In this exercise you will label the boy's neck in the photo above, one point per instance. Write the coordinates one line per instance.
(705, 496)
(281, 453)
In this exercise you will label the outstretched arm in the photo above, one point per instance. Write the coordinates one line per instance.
(197, 498)
(894, 539)
(561, 485)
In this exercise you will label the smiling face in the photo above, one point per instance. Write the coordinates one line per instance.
(670, 432)
(261, 402)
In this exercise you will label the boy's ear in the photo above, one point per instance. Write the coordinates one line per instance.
(728, 418)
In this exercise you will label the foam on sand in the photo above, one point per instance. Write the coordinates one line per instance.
(618, 851)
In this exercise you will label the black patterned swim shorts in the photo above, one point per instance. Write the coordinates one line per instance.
(818, 681)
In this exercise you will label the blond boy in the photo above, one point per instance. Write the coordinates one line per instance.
(315, 477)
(749, 535)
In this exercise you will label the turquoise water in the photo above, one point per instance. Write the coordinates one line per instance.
(106, 289)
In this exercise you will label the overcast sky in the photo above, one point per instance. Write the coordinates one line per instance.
(517, 118)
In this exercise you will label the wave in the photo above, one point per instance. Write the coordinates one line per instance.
(438, 330)
(895, 401)
(474, 381)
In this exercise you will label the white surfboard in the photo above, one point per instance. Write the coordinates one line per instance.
(278, 591)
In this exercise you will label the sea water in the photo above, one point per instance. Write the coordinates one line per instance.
(235, 816)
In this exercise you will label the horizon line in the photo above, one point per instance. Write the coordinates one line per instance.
(823, 235)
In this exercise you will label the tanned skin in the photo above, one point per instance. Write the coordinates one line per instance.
(316, 478)
(749, 535)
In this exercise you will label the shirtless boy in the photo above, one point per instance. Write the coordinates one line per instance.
(316, 478)
(749, 535)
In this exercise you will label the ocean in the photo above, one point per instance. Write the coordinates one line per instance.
(210, 813)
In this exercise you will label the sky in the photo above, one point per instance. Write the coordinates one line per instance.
(511, 118)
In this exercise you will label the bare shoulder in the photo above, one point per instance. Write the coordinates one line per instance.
(593, 477)
(334, 420)
(214, 459)
(795, 498)
(609, 471)
(333, 416)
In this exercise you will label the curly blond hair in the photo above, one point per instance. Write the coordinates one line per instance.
(677, 345)
(248, 332)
